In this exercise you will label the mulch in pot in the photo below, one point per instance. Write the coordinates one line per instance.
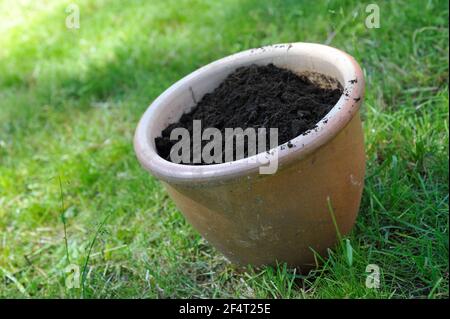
(260, 96)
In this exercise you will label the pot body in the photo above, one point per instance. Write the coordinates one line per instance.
(287, 216)
(263, 219)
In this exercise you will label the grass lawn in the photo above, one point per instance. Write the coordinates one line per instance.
(70, 100)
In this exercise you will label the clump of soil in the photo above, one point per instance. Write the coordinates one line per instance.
(260, 96)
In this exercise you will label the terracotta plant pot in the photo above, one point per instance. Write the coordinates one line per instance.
(261, 219)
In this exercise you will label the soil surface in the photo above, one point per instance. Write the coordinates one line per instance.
(260, 96)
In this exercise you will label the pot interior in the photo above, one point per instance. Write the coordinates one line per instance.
(185, 94)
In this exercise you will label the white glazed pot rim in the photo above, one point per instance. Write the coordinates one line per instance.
(349, 75)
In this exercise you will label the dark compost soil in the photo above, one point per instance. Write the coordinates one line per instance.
(260, 96)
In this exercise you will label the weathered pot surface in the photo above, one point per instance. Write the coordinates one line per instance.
(283, 217)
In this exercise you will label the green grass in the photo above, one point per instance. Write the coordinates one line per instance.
(70, 101)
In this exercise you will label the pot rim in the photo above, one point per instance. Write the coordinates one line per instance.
(352, 81)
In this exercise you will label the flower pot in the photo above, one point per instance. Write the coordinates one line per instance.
(255, 218)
